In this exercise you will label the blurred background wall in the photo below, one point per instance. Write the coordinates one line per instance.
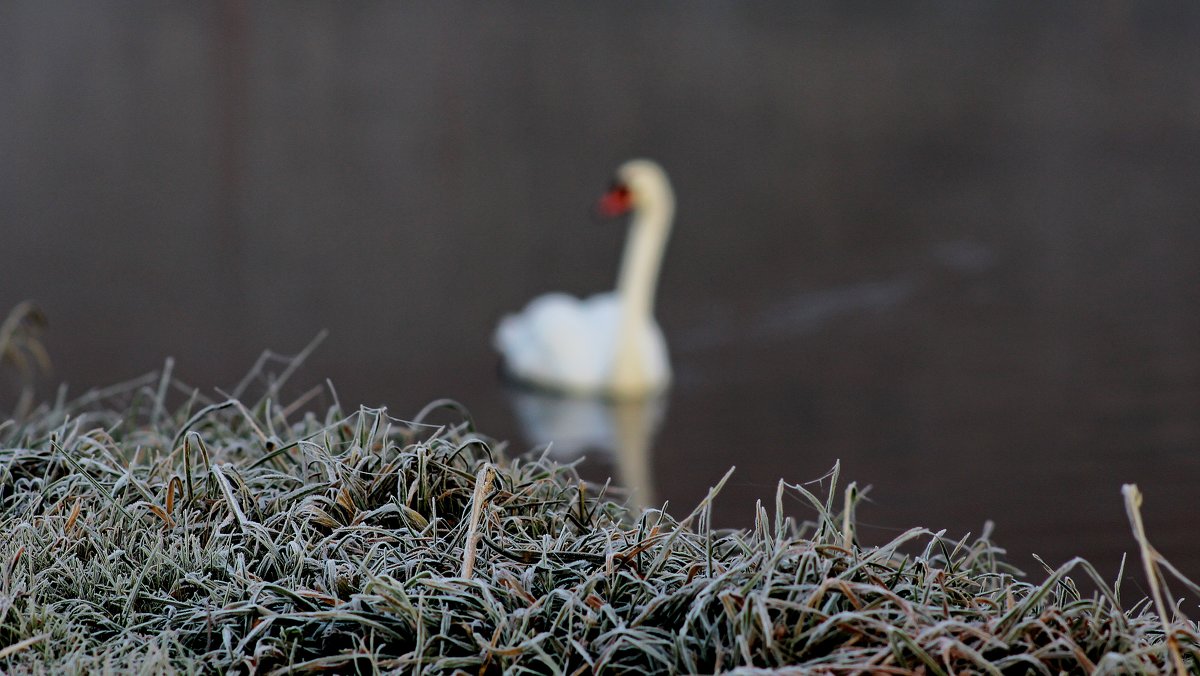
(955, 245)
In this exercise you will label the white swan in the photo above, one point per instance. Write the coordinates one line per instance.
(608, 344)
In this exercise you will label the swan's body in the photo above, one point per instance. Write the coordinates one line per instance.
(608, 344)
(560, 342)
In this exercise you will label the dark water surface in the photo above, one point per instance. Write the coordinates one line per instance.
(956, 248)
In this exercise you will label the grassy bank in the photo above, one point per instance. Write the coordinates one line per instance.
(240, 534)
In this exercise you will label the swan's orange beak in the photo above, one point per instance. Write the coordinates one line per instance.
(616, 202)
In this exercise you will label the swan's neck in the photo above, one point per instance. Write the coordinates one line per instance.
(636, 285)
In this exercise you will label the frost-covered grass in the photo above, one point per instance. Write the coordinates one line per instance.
(238, 534)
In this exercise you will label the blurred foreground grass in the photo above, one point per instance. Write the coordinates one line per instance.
(237, 534)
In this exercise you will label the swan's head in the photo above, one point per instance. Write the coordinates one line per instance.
(639, 185)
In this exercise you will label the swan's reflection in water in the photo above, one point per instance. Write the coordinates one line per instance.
(619, 434)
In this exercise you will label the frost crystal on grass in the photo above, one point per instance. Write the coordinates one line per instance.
(245, 536)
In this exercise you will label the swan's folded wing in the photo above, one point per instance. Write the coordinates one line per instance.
(559, 342)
